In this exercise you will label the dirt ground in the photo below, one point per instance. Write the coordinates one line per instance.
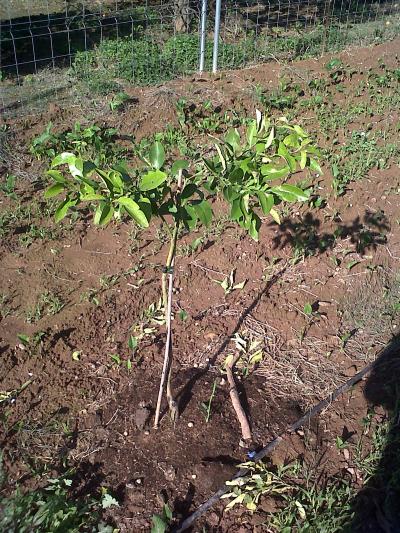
(96, 415)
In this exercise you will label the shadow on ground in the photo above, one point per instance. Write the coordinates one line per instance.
(377, 505)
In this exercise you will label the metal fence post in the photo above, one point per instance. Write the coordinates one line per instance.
(216, 35)
(203, 31)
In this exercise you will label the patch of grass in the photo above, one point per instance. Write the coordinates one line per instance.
(362, 152)
(146, 62)
(53, 508)
(48, 303)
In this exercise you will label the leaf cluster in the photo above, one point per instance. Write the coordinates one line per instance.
(251, 174)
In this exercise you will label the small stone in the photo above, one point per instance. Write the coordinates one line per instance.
(346, 454)
(147, 432)
(194, 476)
(125, 433)
(138, 481)
(190, 424)
(21, 346)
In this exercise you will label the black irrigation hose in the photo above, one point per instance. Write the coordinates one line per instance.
(272, 445)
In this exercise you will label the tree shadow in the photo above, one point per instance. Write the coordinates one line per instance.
(307, 238)
(185, 394)
(377, 506)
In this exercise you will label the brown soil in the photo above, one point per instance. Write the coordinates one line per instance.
(85, 412)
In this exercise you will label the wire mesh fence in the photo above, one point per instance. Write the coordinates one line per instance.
(54, 48)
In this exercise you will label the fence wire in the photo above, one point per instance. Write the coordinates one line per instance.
(54, 48)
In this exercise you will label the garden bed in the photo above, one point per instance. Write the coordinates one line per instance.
(73, 294)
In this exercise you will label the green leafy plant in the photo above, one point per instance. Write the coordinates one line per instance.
(251, 174)
(53, 508)
(250, 352)
(95, 142)
(228, 283)
(161, 521)
(8, 186)
(118, 101)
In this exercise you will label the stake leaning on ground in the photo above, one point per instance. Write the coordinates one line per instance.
(167, 302)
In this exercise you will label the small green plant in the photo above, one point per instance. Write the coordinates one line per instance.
(162, 521)
(207, 406)
(53, 508)
(93, 142)
(8, 186)
(48, 304)
(250, 352)
(248, 490)
(118, 101)
(228, 283)
(251, 173)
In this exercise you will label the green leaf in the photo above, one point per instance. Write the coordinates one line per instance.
(167, 512)
(308, 309)
(103, 213)
(272, 171)
(152, 180)
(183, 315)
(270, 139)
(145, 206)
(56, 175)
(221, 157)
(291, 193)
(108, 501)
(54, 190)
(66, 158)
(275, 215)
(178, 165)
(189, 216)
(157, 155)
(292, 140)
(254, 227)
(106, 179)
(134, 211)
(333, 63)
(116, 180)
(315, 166)
(23, 338)
(196, 243)
(303, 159)
(252, 133)
(204, 212)
(266, 201)
(233, 138)
(188, 191)
(284, 152)
(236, 209)
(299, 130)
(62, 209)
(159, 524)
(132, 343)
(76, 168)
